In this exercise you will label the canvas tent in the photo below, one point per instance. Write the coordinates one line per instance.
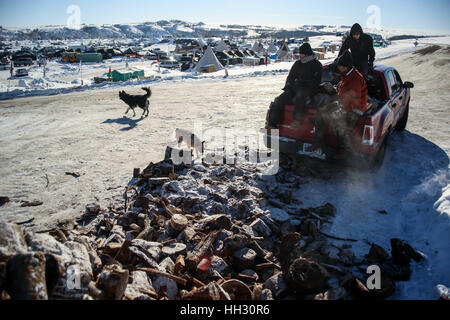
(258, 47)
(202, 43)
(272, 48)
(222, 46)
(284, 53)
(208, 62)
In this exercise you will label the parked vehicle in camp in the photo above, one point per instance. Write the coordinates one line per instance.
(89, 57)
(388, 112)
(152, 56)
(170, 64)
(69, 57)
(21, 73)
(23, 62)
(186, 66)
(5, 60)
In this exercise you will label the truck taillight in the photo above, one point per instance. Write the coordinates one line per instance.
(368, 137)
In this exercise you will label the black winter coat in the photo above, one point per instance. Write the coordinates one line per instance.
(305, 76)
(361, 49)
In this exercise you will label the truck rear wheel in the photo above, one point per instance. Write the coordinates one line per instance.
(378, 160)
(401, 125)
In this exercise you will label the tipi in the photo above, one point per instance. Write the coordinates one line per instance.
(202, 42)
(272, 48)
(208, 59)
(284, 52)
(222, 46)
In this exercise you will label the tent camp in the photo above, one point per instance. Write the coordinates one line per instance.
(284, 53)
(222, 46)
(208, 63)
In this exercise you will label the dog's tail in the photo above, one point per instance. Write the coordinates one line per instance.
(149, 92)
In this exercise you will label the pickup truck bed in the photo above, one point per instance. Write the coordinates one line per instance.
(389, 111)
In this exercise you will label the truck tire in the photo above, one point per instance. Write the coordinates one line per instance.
(378, 160)
(401, 125)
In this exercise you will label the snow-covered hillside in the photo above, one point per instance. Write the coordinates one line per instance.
(176, 28)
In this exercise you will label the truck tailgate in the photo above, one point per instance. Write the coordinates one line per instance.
(305, 133)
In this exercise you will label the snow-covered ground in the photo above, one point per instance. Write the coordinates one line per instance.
(86, 132)
(66, 77)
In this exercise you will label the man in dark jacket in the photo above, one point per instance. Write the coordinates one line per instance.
(302, 83)
(361, 46)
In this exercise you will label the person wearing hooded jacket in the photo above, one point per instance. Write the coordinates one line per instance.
(302, 83)
(348, 107)
(361, 46)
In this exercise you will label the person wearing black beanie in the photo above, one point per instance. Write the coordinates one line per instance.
(302, 83)
(346, 60)
(361, 46)
(306, 49)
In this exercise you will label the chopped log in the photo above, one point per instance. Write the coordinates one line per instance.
(31, 204)
(25, 273)
(179, 264)
(156, 272)
(178, 222)
(246, 277)
(267, 265)
(202, 248)
(124, 252)
(73, 174)
(25, 222)
(147, 232)
(4, 200)
(174, 249)
(246, 257)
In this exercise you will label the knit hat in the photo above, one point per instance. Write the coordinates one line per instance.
(346, 60)
(306, 49)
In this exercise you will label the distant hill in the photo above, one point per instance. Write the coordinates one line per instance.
(158, 29)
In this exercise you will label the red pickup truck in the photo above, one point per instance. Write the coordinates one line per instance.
(388, 111)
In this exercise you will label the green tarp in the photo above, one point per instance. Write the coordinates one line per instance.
(127, 74)
(89, 57)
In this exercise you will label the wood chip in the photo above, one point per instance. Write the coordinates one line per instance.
(31, 204)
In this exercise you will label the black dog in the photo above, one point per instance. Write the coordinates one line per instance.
(137, 101)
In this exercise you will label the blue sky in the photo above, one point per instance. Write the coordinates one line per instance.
(431, 15)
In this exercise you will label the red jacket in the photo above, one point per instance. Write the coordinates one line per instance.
(352, 91)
